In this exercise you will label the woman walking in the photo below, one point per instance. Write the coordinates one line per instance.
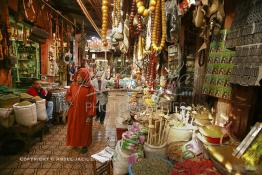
(82, 99)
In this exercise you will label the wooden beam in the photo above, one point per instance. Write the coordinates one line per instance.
(88, 16)
(58, 12)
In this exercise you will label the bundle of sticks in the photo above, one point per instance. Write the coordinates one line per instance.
(158, 129)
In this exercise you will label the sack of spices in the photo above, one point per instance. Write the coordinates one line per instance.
(120, 161)
(7, 118)
(25, 113)
(41, 109)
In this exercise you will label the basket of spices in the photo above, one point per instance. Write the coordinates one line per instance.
(154, 166)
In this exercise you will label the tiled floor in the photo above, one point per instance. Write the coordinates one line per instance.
(49, 153)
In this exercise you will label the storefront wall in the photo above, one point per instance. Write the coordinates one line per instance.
(41, 19)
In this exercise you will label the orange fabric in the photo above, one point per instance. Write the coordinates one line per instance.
(83, 99)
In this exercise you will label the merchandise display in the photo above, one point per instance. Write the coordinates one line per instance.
(219, 68)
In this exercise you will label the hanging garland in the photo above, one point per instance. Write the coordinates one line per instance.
(117, 13)
(151, 72)
(131, 20)
(141, 7)
(104, 21)
(159, 12)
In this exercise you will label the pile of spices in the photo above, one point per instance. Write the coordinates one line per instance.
(8, 97)
(203, 167)
(24, 103)
(25, 96)
(152, 167)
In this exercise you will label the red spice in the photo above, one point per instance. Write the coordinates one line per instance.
(188, 167)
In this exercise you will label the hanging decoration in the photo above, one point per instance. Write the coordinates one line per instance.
(151, 72)
(117, 26)
(116, 13)
(148, 34)
(140, 49)
(144, 11)
(209, 17)
(104, 21)
(125, 45)
(173, 21)
(159, 13)
(134, 17)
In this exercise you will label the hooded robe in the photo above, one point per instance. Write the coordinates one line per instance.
(83, 107)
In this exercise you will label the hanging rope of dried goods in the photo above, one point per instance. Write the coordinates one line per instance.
(104, 21)
(160, 11)
(151, 72)
(117, 13)
(131, 20)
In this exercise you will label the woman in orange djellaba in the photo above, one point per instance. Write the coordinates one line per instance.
(82, 99)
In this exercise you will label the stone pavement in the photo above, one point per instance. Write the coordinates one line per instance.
(52, 157)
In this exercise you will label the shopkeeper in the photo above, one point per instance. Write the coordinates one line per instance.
(37, 90)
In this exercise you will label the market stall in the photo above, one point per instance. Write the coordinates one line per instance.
(191, 59)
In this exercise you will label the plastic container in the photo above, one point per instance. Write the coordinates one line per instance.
(25, 115)
(41, 110)
(152, 151)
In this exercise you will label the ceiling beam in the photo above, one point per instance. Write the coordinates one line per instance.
(88, 16)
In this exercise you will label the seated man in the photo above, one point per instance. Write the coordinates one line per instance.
(37, 90)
